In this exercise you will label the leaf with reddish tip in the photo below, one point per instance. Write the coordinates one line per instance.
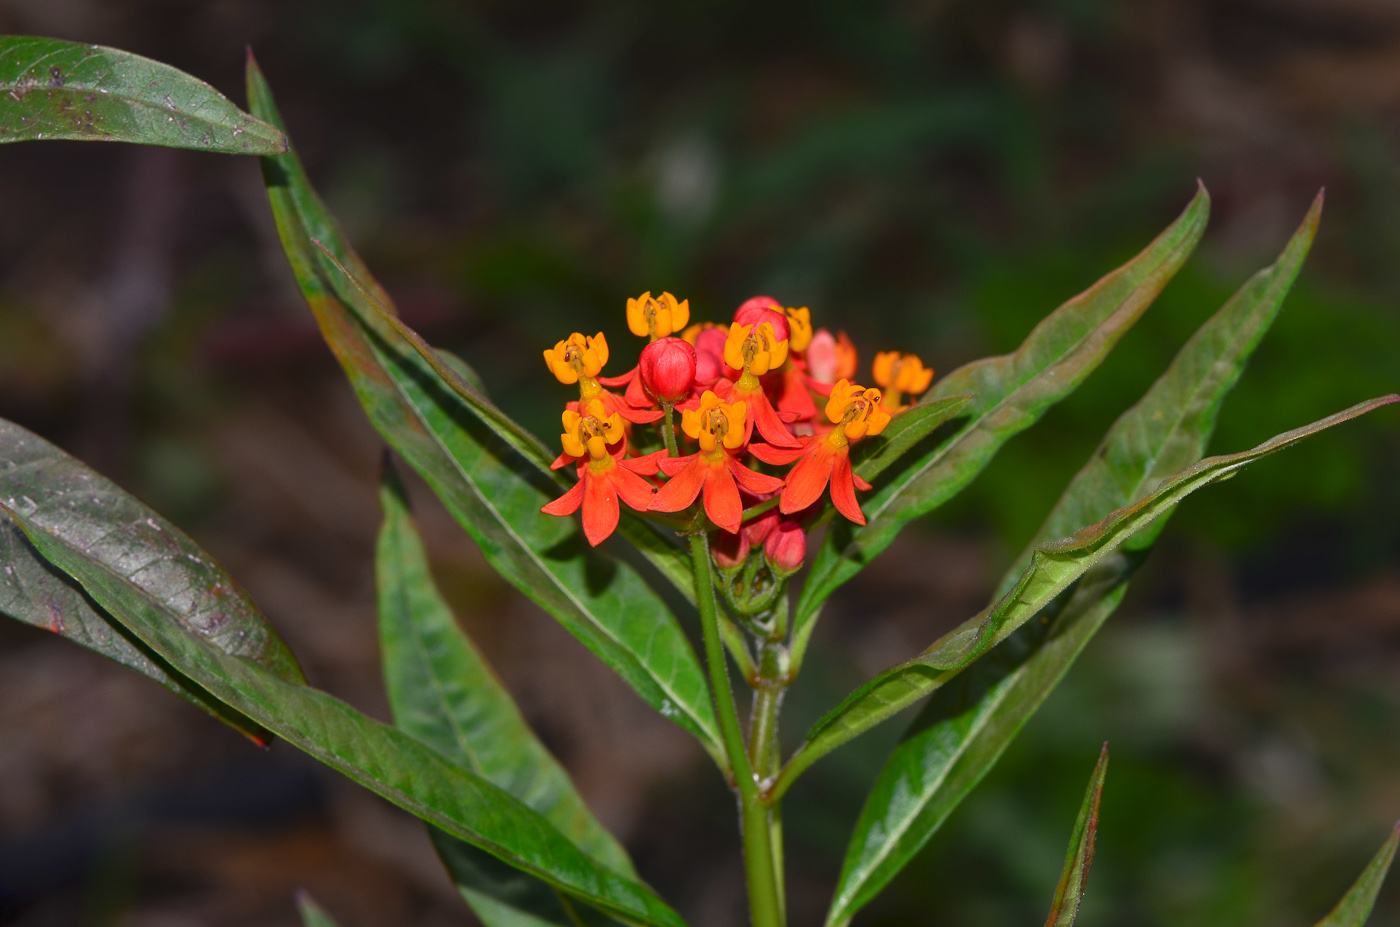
(66, 497)
(1075, 876)
(1009, 394)
(490, 473)
(962, 731)
(1355, 907)
(51, 89)
(1053, 568)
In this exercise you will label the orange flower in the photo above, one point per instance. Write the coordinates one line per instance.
(595, 441)
(719, 427)
(900, 374)
(855, 412)
(578, 359)
(657, 317)
(756, 349)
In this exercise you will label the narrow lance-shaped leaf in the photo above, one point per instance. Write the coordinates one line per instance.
(1054, 566)
(964, 728)
(50, 89)
(1355, 907)
(1064, 908)
(75, 502)
(479, 463)
(1009, 394)
(442, 691)
(381, 758)
(312, 914)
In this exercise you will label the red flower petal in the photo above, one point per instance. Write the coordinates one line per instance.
(722, 497)
(631, 488)
(843, 490)
(568, 503)
(600, 508)
(861, 484)
(767, 422)
(754, 482)
(673, 465)
(622, 380)
(807, 479)
(778, 456)
(683, 487)
(563, 460)
(647, 464)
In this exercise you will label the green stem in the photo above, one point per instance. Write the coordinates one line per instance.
(668, 431)
(765, 905)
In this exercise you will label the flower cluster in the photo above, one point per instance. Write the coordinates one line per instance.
(762, 394)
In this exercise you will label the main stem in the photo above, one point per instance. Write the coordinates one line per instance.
(765, 904)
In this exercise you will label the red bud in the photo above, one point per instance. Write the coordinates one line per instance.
(729, 550)
(667, 369)
(761, 309)
(709, 355)
(785, 547)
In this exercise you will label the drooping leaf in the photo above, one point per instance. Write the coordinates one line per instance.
(1009, 394)
(1355, 907)
(1064, 908)
(442, 691)
(70, 499)
(50, 89)
(965, 727)
(381, 758)
(479, 463)
(312, 914)
(1053, 567)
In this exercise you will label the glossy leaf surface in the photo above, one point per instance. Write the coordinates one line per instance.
(1009, 394)
(484, 468)
(65, 496)
(964, 729)
(381, 758)
(1355, 907)
(1053, 567)
(1064, 908)
(50, 89)
(442, 691)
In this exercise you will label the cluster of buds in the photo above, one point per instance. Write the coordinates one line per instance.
(763, 394)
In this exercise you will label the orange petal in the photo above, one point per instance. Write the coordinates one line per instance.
(843, 490)
(600, 509)
(861, 484)
(631, 488)
(768, 424)
(722, 498)
(568, 503)
(754, 482)
(647, 464)
(563, 460)
(807, 479)
(673, 465)
(683, 487)
(778, 456)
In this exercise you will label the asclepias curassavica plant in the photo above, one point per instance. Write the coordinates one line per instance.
(746, 468)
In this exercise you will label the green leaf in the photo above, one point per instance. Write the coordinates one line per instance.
(1355, 907)
(1074, 877)
(1053, 567)
(1009, 394)
(966, 726)
(442, 691)
(381, 758)
(904, 432)
(312, 914)
(51, 89)
(486, 469)
(64, 496)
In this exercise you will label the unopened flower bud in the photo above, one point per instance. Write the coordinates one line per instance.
(830, 357)
(762, 309)
(785, 547)
(709, 355)
(667, 369)
(729, 550)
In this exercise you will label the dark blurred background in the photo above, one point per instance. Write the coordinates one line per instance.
(930, 175)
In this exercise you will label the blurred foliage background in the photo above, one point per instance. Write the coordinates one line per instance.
(930, 175)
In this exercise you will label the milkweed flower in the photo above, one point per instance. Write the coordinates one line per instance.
(595, 441)
(757, 349)
(579, 359)
(855, 412)
(830, 358)
(719, 428)
(900, 375)
(657, 317)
